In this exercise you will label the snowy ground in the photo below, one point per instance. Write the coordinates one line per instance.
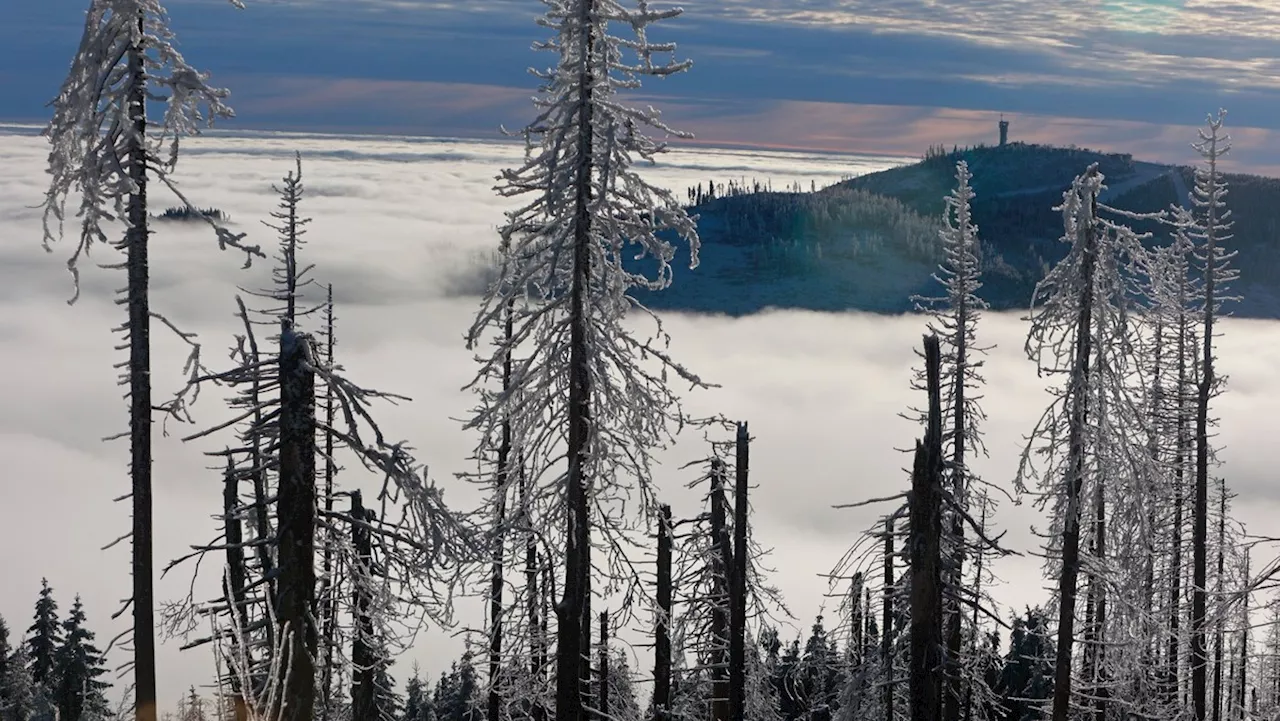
(395, 221)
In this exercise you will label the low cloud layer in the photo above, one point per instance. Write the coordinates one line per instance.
(394, 221)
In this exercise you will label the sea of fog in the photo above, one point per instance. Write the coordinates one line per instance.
(394, 223)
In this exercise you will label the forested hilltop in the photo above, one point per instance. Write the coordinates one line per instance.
(870, 242)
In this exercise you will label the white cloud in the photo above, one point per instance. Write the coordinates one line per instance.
(393, 220)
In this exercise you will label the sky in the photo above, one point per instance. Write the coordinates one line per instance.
(865, 76)
(399, 228)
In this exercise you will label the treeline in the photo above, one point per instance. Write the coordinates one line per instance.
(54, 671)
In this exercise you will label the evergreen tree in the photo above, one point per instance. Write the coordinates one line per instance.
(77, 665)
(5, 653)
(417, 702)
(19, 689)
(192, 707)
(1027, 677)
(44, 638)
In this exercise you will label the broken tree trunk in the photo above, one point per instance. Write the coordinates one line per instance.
(925, 547)
(296, 510)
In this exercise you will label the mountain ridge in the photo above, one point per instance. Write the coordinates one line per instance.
(870, 243)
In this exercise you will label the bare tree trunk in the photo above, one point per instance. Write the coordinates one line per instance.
(952, 700)
(534, 606)
(296, 509)
(886, 621)
(1220, 616)
(738, 584)
(363, 663)
(139, 333)
(495, 581)
(722, 565)
(1098, 590)
(926, 554)
(330, 600)
(977, 596)
(1174, 688)
(235, 591)
(603, 702)
(1067, 584)
(1244, 636)
(573, 617)
(662, 634)
(1200, 512)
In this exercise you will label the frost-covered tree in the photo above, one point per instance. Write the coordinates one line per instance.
(104, 148)
(583, 388)
(20, 691)
(80, 692)
(1081, 331)
(1211, 231)
(954, 319)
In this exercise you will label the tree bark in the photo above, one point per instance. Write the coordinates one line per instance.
(296, 509)
(363, 693)
(330, 599)
(235, 590)
(738, 583)
(926, 554)
(722, 569)
(139, 330)
(959, 490)
(495, 581)
(603, 700)
(1200, 512)
(1067, 584)
(886, 621)
(662, 634)
(1220, 616)
(573, 633)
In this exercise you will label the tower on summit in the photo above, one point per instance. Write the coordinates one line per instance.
(1004, 131)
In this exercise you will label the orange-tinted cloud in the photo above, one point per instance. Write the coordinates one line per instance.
(475, 110)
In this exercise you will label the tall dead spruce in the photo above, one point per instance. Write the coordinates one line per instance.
(925, 552)
(419, 544)
(582, 387)
(104, 147)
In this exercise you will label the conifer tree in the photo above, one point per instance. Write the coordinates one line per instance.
(5, 653)
(104, 146)
(19, 688)
(44, 637)
(80, 693)
(563, 266)
(1211, 230)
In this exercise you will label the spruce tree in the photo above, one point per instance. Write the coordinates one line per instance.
(44, 638)
(417, 702)
(79, 694)
(5, 652)
(19, 690)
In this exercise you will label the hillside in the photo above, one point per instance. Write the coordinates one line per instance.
(871, 242)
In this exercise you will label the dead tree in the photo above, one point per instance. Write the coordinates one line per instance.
(602, 703)
(296, 510)
(235, 583)
(738, 582)
(722, 568)
(925, 548)
(662, 629)
(363, 659)
(887, 618)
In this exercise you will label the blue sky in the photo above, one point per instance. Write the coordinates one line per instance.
(886, 76)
